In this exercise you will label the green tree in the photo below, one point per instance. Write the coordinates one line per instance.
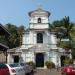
(73, 41)
(64, 30)
(20, 31)
(67, 28)
(14, 39)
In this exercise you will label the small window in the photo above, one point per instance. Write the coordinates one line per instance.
(39, 38)
(39, 20)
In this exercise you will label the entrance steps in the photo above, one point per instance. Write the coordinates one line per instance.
(41, 68)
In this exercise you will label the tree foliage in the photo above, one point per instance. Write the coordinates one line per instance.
(14, 39)
(65, 30)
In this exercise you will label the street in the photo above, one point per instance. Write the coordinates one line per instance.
(46, 72)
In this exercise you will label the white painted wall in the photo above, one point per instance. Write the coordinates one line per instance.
(51, 56)
(30, 39)
(44, 19)
(33, 21)
(39, 26)
(29, 56)
(9, 58)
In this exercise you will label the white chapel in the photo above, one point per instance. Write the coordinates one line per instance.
(39, 44)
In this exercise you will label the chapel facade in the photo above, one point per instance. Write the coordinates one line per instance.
(39, 44)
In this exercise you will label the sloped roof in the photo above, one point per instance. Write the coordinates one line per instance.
(38, 10)
(3, 47)
(3, 30)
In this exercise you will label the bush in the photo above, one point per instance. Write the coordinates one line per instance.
(49, 64)
(68, 61)
(32, 64)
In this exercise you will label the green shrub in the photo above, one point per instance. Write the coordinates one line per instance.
(49, 64)
(32, 64)
(68, 61)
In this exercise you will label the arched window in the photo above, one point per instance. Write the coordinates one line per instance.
(39, 20)
(39, 38)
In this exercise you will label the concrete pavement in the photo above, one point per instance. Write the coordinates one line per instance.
(46, 72)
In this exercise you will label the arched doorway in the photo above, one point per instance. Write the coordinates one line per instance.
(62, 60)
(39, 60)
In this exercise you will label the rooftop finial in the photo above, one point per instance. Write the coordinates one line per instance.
(39, 6)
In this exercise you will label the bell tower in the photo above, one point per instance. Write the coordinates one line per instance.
(39, 19)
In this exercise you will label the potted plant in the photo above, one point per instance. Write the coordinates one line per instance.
(32, 64)
(49, 64)
(68, 61)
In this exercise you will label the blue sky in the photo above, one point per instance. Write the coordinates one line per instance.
(16, 11)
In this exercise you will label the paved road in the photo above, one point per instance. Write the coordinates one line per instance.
(46, 72)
